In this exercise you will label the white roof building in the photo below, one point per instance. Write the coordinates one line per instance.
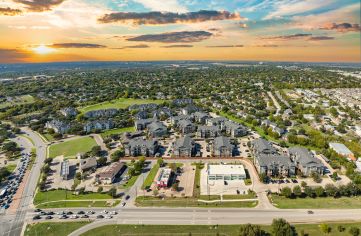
(226, 172)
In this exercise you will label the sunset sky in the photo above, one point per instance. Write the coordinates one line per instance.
(118, 30)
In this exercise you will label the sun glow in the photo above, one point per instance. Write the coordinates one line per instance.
(43, 49)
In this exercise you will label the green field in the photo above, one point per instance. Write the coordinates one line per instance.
(150, 178)
(316, 203)
(58, 195)
(19, 100)
(10, 167)
(150, 201)
(117, 131)
(53, 229)
(72, 147)
(49, 137)
(120, 103)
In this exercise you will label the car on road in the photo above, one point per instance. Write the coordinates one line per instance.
(113, 213)
(37, 217)
(104, 212)
(63, 217)
(127, 197)
(73, 217)
(310, 212)
(37, 210)
(84, 216)
(48, 217)
(80, 212)
(100, 216)
(90, 212)
(108, 217)
(123, 204)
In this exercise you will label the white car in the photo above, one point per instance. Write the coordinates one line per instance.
(73, 217)
(113, 213)
(104, 212)
(108, 217)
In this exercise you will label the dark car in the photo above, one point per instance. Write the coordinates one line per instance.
(84, 216)
(310, 212)
(50, 213)
(127, 197)
(37, 217)
(81, 213)
(37, 210)
(69, 213)
(100, 216)
(48, 217)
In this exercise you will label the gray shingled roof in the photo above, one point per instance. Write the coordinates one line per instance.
(185, 141)
(263, 146)
(222, 142)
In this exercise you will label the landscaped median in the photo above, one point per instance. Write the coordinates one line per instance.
(63, 198)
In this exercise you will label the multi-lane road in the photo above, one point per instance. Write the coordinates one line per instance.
(12, 224)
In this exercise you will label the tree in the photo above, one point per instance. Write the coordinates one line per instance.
(316, 177)
(297, 191)
(102, 161)
(331, 190)
(250, 230)
(160, 162)
(78, 175)
(281, 227)
(10, 147)
(303, 184)
(354, 231)
(175, 186)
(117, 155)
(4, 172)
(173, 167)
(112, 192)
(309, 192)
(100, 189)
(319, 191)
(340, 228)
(96, 151)
(325, 228)
(155, 192)
(286, 191)
(48, 160)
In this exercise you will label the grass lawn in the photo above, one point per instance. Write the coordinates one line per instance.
(72, 147)
(120, 103)
(316, 203)
(18, 100)
(58, 195)
(150, 178)
(117, 131)
(49, 137)
(10, 167)
(150, 201)
(207, 230)
(130, 182)
(52, 228)
(240, 196)
(66, 204)
(197, 179)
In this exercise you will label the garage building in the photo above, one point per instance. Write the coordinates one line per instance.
(226, 172)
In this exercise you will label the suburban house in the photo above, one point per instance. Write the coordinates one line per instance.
(287, 114)
(184, 147)
(107, 176)
(88, 164)
(200, 117)
(101, 113)
(58, 126)
(186, 127)
(182, 101)
(162, 112)
(157, 129)
(163, 179)
(141, 147)
(141, 115)
(217, 121)
(222, 147)
(143, 107)
(98, 125)
(268, 161)
(189, 109)
(305, 161)
(174, 120)
(69, 112)
(143, 123)
(208, 131)
(342, 150)
(234, 129)
(273, 126)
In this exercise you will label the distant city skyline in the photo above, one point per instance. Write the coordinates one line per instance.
(132, 30)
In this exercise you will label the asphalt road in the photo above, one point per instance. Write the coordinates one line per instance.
(11, 225)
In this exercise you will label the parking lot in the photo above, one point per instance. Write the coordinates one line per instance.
(9, 193)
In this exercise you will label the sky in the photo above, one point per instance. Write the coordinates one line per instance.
(141, 30)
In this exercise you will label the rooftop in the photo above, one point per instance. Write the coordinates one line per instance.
(226, 170)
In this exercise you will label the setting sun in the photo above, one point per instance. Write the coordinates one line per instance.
(42, 49)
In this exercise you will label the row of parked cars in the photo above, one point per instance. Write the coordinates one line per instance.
(282, 181)
(12, 185)
(70, 215)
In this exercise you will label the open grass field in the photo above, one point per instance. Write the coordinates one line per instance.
(19, 100)
(120, 103)
(150, 201)
(207, 230)
(117, 131)
(53, 229)
(58, 195)
(49, 137)
(316, 203)
(72, 147)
